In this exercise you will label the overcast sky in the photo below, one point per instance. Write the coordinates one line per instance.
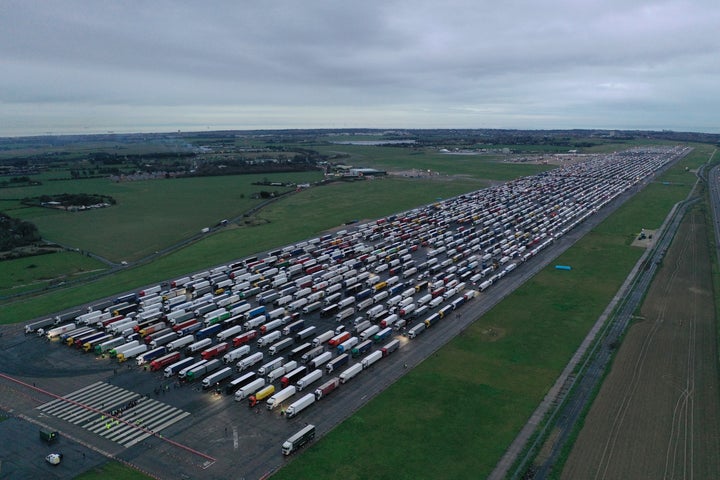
(91, 66)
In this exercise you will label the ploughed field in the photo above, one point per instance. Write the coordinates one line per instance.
(656, 415)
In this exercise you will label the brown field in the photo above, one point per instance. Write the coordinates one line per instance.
(657, 413)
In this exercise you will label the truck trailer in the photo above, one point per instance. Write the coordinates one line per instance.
(302, 437)
(299, 405)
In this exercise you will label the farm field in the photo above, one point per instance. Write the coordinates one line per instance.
(30, 273)
(658, 413)
(149, 215)
(454, 415)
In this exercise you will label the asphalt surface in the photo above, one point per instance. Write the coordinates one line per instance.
(221, 438)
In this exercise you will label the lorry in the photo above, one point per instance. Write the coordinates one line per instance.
(299, 405)
(244, 338)
(337, 362)
(299, 350)
(131, 352)
(33, 327)
(281, 345)
(260, 395)
(348, 312)
(248, 362)
(108, 345)
(208, 332)
(281, 396)
(382, 334)
(270, 366)
(236, 354)
(320, 360)
(302, 437)
(351, 372)
(294, 327)
(369, 332)
(90, 345)
(174, 368)
(229, 333)
(361, 349)
(305, 333)
(214, 351)
(217, 377)
(293, 376)
(189, 329)
(266, 340)
(163, 361)
(180, 343)
(347, 345)
(54, 333)
(416, 330)
(150, 355)
(371, 359)
(322, 338)
(122, 348)
(248, 389)
(197, 372)
(327, 387)
(239, 382)
(312, 353)
(198, 346)
(309, 379)
(390, 347)
(338, 339)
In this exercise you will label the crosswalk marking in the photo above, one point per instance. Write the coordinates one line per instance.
(136, 418)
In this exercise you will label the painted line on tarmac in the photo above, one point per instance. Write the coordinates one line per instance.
(156, 435)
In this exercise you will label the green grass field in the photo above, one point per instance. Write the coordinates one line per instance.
(149, 216)
(44, 271)
(112, 470)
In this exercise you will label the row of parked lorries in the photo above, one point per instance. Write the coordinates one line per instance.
(397, 275)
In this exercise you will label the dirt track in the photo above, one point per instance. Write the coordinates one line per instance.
(657, 415)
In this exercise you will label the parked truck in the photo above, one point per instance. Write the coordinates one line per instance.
(163, 361)
(229, 333)
(54, 333)
(248, 389)
(327, 387)
(390, 347)
(350, 372)
(270, 366)
(198, 346)
(236, 383)
(278, 398)
(176, 367)
(302, 437)
(131, 352)
(322, 338)
(214, 351)
(361, 348)
(260, 395)
(281, 345)
(371, 359)
(299, 405)
(236, 354)
(244, 338)
(247, 362)
(197, 372)
(347, 345)
(180, 343)
(337, 362)
(108, 345)
(217, 377)
(309, 379)
(150, 355)
(292, 376)
(266, 340)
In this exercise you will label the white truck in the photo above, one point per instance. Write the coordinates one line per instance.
(248, 362)
(249, 389)
(280, 397)
(236, 354)
(349, 373)
(309, 379)
(370, 359)
(300, 405)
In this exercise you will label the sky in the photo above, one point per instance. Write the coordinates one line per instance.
(97, 66)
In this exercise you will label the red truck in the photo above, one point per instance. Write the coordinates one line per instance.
(327, 387)
(214, 351)
(244, 338)
(164, 361)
